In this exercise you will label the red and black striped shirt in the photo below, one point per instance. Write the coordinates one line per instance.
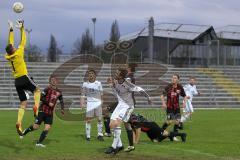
(173, 94)
(50, 95)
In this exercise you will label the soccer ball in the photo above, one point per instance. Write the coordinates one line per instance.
(18, 7)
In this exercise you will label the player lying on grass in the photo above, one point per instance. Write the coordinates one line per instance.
(49, 99)
(153, 131)
(123, 90)
(23, 83)
(191, 91)
(93, 92)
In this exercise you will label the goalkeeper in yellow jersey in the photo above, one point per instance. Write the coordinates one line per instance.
(23, 83)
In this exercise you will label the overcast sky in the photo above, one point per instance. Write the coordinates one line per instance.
(68, 19)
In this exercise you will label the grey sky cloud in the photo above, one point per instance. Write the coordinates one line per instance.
(68, 19)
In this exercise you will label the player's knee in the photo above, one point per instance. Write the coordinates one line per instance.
(35, 126)
(23, 104)
(47, 127)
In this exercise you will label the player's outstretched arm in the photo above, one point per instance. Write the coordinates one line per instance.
(11, 34)
(20, 25)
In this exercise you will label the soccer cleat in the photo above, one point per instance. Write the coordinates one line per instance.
(129, 149)
(183, 137)
(111, 150)
(40, 145)
(100, 138)
(107, 134)
(21, 137)
(175, 139)
(87, 138)
(120, 148)
(19, 129)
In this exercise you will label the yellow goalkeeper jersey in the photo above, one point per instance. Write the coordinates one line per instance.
(16, 60)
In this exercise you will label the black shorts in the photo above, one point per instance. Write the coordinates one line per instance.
(23, 84)
(155, 131)
(43, 117)
(173, 114)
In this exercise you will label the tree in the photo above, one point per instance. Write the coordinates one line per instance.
(84, 45)
(53, 50)
(115, 33)
(33, 53)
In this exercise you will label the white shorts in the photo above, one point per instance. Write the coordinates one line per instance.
(94, 109)
(122, 112)
(189, 107)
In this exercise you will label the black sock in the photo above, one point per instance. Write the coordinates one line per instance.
(175, 128)
(165, 125)
(106, 124)
(29, 129)
(130, 137)
(175, 134)
(42, 136)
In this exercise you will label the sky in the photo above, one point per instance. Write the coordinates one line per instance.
(68, 19)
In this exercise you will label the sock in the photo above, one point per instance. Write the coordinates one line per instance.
(29, 129)
(99, 126)
(130, 137)
(184, 118)
(42, 136)
(175, 134)
(37, 96)
(21, 111)
(116, 137)
(88, 130)
(175, 128)
(165, 125)
(106, 124)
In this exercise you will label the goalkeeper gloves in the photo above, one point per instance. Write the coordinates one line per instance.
(19, 24)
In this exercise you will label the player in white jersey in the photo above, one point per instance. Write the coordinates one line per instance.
(123, 89)
(92, 90)
(190, 90)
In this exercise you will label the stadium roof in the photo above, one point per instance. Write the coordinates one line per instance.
(171, 30)
(229, 32)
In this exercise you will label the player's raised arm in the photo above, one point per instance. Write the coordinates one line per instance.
(23, 34)
(138, 89)
(11, 34)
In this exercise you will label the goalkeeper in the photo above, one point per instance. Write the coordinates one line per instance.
(23, 83)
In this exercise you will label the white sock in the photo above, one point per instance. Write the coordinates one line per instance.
(116, 137)
(100, 126)
(88, 129)
(119, 141)
(184, 117)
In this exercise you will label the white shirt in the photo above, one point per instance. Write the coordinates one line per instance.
(93, 91)
(190, 90)
(124, 92)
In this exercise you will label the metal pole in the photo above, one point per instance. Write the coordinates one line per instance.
(168, 50)
(94, 22)
(28, 31)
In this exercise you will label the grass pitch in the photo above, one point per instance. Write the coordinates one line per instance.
(212, 134)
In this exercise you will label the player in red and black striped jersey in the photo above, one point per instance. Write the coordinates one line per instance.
(153, 131)
(49, 98)
(172, 92)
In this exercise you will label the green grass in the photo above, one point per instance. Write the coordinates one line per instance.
(212, 134)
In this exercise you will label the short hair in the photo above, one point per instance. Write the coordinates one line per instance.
(92, 70)
(132, 66)
(177, 75)
(52, 76)
(123, 72)
(191, 77)
(9, 49)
